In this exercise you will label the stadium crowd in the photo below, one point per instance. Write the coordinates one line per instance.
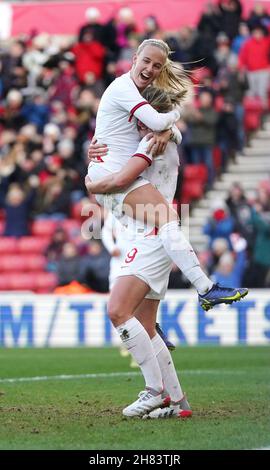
(50, 89)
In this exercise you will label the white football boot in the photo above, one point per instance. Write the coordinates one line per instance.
(177, 410)
(145, 403)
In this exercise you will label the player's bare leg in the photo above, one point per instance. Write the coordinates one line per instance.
(126, 295)
(146, 313)
(156, 212)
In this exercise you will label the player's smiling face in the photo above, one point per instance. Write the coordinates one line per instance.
(147, 66)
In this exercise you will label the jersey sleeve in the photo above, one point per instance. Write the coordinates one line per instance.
(128, 97)
(177, 136)
(156, 121)
(141, 151)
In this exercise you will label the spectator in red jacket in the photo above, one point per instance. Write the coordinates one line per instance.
(255, 59)
(89, 58)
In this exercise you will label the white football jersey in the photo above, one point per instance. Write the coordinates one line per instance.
(162, 173)
(116, 125)
(163, 170)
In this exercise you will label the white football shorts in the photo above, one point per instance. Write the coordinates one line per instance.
(112, 202)
(147, 260)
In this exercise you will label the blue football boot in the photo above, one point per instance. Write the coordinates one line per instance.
(221, 295)
(169, 345)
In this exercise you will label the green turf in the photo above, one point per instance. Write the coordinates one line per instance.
(227, 387)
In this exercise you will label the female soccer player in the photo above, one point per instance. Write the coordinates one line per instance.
(116, 127)
(147, 264)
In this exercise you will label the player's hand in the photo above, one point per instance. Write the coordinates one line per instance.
(96, 151)
(158, 143)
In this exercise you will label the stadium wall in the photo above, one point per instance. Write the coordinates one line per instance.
(62, 17)
(29, 320)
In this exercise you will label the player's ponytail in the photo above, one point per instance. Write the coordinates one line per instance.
(173, 78)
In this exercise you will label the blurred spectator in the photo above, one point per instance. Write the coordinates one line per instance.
(36, 111)
(89, 58)
(64, 84)
(35, 56)
(69, 264)
(259, 15)
(209, 22)
(254, 57)
(186, 42)
(151, 27)
(12, 116)
(93, 17)
(125, 26)
(241, 38)
(17, 207)
(13, 73)
(219, 247)
(55, 249)
(94, 267)
(231, 266)
(55, 202)
(223, 50)
(258, 275)
(220, 224)
(227, 132)
(232, 85)
(51, 136)
(49, 98)
(202, 132)
(230, 16)
(241, 212)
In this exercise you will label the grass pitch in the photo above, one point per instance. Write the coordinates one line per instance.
(228, 389)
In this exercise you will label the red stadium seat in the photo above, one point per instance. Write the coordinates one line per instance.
(35, 262)
(253, 112)
(76, 210)
(35, 282)
(217, 157)
(191, 190)
(71, 226)
(197, 173)
(199, 74)
(2, 226)
(17, 281)
(252, 103)
(43, 228)
(8, 245)
(219, 102)
(45, 282)
(251, 121)
(13, 263)
(32, 244)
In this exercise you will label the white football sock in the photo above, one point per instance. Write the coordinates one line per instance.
(182, 254)
(166, 365)
(138, 343)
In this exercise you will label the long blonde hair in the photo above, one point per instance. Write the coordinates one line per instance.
(172, 77)
(161, 100)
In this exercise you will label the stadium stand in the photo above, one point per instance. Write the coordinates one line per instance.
(48, 101)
